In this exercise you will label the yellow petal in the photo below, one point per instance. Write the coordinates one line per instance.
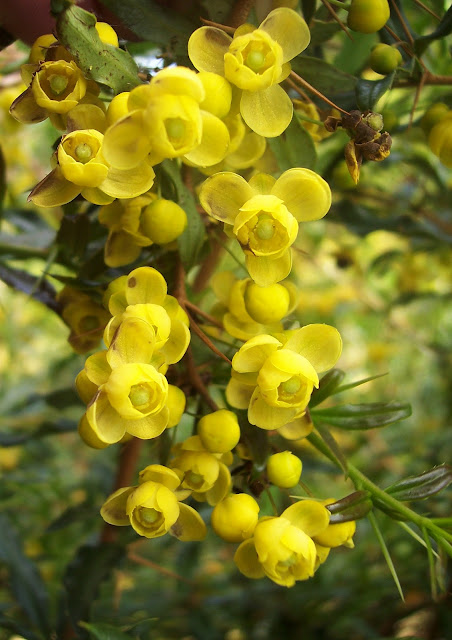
(161, 474)
(262, 183)
(266, 417)
(125, 143)
(86, 116)
(266, 271)
(308, 515)
(214, 142)
(121, 183)
(223, 194)
(97, 368)
(25, 110)
(250, 150)
(150, 426)
(297, 429)
(247, 560)
(54, 190)
(238, 395)
(133, 342)
(89, 436)
(113, 510)
(206, 49)
(178, 81)
(304, 192)
(120, 249)
(106, 424)
(189, 526)
(321, 344)
(221, 487)
(96, 196)
(145, 285)
(267, 112)
(289, 29)
(252, 355)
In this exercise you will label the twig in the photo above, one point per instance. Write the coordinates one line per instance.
(153, 565)
(205, 315)
(207, 267)
(200, 333)
(403, 23)
(423, 6)
(240, 12)
(417, 95)
(196, 381)
(224, 27)
(309, 87)
(338, 20)
(128, 458)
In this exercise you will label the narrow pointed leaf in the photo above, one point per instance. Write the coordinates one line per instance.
(363, 416)
(101, 631)
(422, 486)
(328, 385)
(368, 92)
(386, 554)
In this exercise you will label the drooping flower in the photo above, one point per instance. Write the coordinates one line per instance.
(255, 61)
(282, 547)
(274, 380)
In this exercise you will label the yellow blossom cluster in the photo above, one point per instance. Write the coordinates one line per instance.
(215, 119)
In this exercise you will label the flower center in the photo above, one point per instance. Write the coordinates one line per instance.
(149, 516)
(58, 84)
(83, 152)
(288, 562)
(292, 385)
(175, 127)
(139, 395)
(265, 229)
(255, 60)
(194, 478)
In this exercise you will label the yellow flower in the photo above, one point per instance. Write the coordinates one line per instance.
(219, 431)
(284, 469)
(275, 380)
(255, 61)
(282, 548)
(205, 475)
(84, 317)
(263, 215)
(56, 87)
(153, 509)
(83, 169)
(165, 120)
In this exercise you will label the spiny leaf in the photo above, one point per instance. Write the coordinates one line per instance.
(387, 557)
(368, 92)
(102, 62)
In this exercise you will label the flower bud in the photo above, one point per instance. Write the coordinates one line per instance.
(235, 517)
(433, 115)
(163, 221)
(368, 16)
(384, 59)
(219, 431)
(267, 304)
(440, 140)
(284, 469)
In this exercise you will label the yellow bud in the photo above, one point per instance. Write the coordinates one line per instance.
(384, 59)
(440, 140)
(433, 115)
(219, 431)
(234, 518)
(267, 304)
(368, 16)
(163, 221)
(218, 94)
(284, 469)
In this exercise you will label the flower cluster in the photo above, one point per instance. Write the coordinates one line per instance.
(125, 386)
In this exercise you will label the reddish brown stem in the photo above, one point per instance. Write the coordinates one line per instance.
(313, 90)
(153, 565)
(240, 12)
(196, 381)
(208, 267)
(338, 20)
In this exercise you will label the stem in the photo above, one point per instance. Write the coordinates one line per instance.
(196, 381)
(128, 458)
(313, 90)
(340, 5)
(23, 251)
(240, 12)
(328, 4)
(362, 482)
(207, 267)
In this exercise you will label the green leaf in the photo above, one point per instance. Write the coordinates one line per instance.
(2, 181)
(73, 235)
(101, 62)
(191, 241)
(352, 385)
(294, 147)
(323, 76)
(368, 92)
(101, 631)
(159, 25)
(47, 428)
(352, 507)
(327, 387)
(443, 29)
(363, 416)
(84, 575)
(386, 554)
(322, 31)
(26, 583)
(422, 486)
(37, 288)
(78, 513)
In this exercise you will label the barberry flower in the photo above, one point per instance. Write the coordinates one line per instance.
(255, 61)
